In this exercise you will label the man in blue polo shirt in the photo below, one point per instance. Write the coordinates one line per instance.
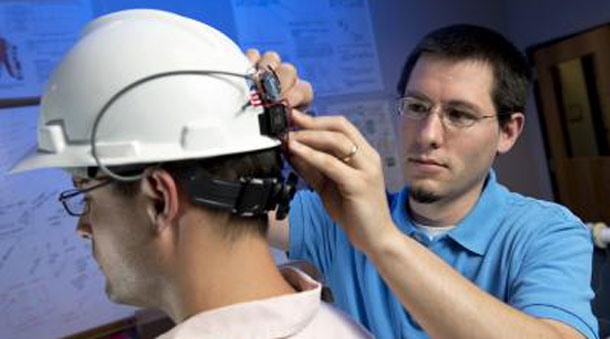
(453, 254)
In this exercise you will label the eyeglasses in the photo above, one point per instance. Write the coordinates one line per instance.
(456, 117)
(74, 200)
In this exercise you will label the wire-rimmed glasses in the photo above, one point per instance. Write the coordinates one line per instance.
(74, 200)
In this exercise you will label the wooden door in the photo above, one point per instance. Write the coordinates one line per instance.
(574, 97)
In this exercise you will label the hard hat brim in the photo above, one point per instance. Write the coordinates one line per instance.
(80, 155)
(36, 159)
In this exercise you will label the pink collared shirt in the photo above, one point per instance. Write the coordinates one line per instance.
(298, 315)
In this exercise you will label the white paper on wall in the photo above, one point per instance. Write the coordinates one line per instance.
(374, 120)
(330, 41)
(34, 35)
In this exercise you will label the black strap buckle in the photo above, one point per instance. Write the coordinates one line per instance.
(246, 197)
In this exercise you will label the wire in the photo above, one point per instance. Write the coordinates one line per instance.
(126, 89)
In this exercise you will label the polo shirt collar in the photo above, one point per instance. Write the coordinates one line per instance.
(477, 229)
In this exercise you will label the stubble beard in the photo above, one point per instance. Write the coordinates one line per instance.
(424, 196)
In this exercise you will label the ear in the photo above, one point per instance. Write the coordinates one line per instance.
(509, 133)
(163, 202)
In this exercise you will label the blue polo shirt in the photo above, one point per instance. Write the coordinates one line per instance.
(531, 254)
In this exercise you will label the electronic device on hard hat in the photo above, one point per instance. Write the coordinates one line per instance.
(274, 121)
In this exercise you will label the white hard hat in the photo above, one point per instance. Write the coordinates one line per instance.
(168, 118)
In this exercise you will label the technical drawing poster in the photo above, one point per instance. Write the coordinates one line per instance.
(50, 286)
(330, 41)
(34, 35)
(373, 118)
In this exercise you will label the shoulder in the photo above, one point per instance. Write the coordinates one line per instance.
(538, 214)
(537, 224)
(526, 214)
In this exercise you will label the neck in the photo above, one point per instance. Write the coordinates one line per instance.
(448, 210)
(216, 271)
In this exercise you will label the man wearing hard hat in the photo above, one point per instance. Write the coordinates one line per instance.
(175, 168)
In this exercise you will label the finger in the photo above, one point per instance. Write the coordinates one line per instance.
(332, 123)
(269, 59)
(287, 74)
(333, 143)
(300, 95)
(253, 55)
(329, 166)
(312, 177)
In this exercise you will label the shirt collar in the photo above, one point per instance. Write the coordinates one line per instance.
(276, 317)
(477, 229)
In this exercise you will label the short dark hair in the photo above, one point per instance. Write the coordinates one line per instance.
(511, 70)
(257, 164)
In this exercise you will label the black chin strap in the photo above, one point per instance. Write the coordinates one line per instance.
(246, 197)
